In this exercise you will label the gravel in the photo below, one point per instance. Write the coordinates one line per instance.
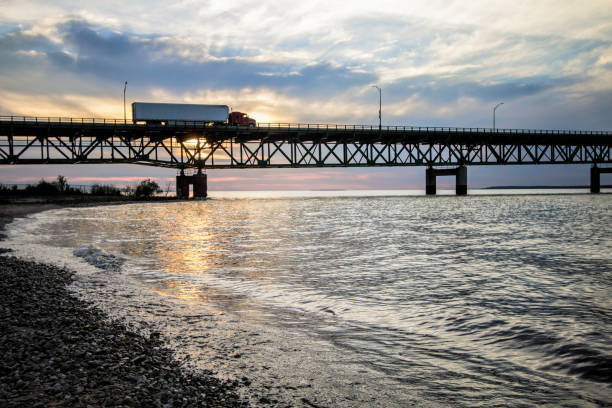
(59, 351)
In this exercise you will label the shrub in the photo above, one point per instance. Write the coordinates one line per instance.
(7, 190)
(42, 188)
(105, 190)
(146, 189)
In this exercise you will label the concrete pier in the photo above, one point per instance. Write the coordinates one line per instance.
(430, 181)
(460, 174)
(199, 182)
(461, 180)
(596, 179)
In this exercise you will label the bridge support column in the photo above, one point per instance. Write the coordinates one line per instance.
(595, 180)
(199, 182)
(461, 181)
(595, 177)
(430, 181)
(182, 187)
(200, 185)
(460, 174)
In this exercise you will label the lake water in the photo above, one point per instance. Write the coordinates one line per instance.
(360, 298)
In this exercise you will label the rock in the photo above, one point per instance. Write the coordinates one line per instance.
(60, 351)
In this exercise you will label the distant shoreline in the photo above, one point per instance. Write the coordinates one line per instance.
(479, 188)
(540, 187)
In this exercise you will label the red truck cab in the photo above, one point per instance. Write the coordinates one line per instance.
(241, 119)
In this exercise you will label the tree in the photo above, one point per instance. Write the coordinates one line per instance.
(43, 188)
(62, 184)
(146, 189)
(168, 187)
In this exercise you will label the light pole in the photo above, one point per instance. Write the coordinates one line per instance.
(494, 109)
(379, 107)
(124, 88)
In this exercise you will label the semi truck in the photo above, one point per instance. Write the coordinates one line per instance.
(173, 113)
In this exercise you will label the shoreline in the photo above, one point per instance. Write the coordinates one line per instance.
(62, 351)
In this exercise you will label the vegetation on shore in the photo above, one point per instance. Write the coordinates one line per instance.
(60, 188)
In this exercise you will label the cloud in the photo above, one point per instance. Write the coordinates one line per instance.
(87, 41)
(17, 39)
(154, 61)
(259, 57)
(443, 90)
(439, 63)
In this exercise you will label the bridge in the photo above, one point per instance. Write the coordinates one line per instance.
(197, 145)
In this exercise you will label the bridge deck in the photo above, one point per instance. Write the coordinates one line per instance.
(67, 127)
(28, 140)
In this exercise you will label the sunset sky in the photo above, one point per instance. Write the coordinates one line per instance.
(439, 63)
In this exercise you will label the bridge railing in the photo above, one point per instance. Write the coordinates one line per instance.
(295, 126)
(66, 120)
(337, 127)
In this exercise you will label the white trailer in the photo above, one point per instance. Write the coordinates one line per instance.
(171, 113)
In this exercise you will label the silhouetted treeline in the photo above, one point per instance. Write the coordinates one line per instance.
(60, 187)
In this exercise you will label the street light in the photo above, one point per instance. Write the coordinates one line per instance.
(494, 109)
(379, 107)
(124, 88)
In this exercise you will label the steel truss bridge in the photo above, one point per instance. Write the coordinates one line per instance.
(196, 145)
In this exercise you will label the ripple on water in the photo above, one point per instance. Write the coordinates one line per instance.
(367, 301)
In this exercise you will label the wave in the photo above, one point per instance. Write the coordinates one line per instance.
(98, 258)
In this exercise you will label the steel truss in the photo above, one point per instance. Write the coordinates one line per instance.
(196, 145)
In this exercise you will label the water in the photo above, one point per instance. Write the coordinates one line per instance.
(361, 298)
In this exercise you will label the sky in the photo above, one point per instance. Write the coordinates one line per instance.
(438, 63)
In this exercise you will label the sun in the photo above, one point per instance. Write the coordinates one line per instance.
(262, 117)
(194, 143)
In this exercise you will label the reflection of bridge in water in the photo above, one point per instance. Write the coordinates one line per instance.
(195, 145)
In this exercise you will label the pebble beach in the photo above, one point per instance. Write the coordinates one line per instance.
(58, 350)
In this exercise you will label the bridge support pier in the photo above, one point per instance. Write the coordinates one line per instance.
(199, 182)
(460, 174)
(595, 177)
(430, 181)
(461, 180)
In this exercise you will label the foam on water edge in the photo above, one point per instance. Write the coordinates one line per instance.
(98, 258)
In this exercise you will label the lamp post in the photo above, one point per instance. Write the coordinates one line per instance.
(124, 88)
(494, 109)
(379, 107)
